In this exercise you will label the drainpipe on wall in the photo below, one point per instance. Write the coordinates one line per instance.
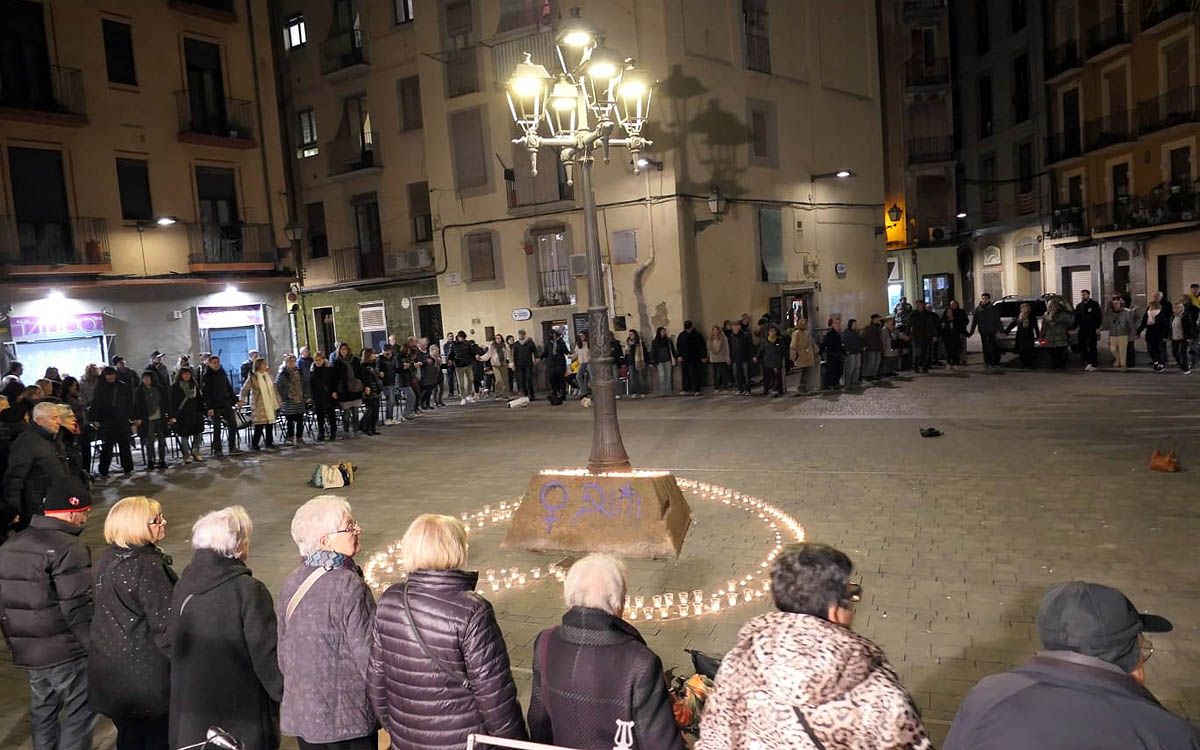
(639, 293)
(258, 103)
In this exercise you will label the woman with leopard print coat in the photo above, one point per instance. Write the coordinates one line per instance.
(800, 678)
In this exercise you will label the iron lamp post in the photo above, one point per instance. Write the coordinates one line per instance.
(598, 101)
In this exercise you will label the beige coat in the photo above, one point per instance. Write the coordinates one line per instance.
(802, 352)
(718, 349)
(264, 399)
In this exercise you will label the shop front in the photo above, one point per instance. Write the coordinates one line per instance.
(68, 341)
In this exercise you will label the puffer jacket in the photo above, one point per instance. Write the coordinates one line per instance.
(421, 707)
(592, 672)
(323, 651)
(773, 353)
(785, 666)
(46, 594)
(35, 459)
(1055, 327)
(129, 664)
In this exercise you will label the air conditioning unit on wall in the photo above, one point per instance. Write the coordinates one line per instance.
(406, 261)
(939, 234)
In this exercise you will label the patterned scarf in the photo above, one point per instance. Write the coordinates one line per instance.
(329, 560)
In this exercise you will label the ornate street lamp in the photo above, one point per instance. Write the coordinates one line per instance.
(598, 95)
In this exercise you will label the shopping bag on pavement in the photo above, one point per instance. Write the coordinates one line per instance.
(346, 469)
(327, 476)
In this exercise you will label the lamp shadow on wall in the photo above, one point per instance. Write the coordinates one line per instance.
(702, 134)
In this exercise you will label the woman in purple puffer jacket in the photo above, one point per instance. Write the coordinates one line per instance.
(439, 667)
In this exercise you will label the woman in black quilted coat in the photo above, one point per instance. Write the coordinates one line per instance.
(439, 668)
(129, 666)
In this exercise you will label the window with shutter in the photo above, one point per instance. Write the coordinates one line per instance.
(770, 244)
(468, 149)
(408, 98)
(481, 257)
(548, 186)
(318, 240)
(118, 52)
(519, 14)
(133, 185)
(418, 208)
(371, 317)
(306, 124)
(764, 135)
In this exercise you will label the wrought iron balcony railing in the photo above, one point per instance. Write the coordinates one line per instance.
(230, 243)
(73, 241)
(231, 119)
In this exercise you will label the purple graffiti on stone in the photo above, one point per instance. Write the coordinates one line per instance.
(553, 510)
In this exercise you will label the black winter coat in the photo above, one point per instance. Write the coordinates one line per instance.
(524, 352)
(224, 668)
(741, 347)
(420, 707)
(923, 324)
(691, 346)
(773, 354)
(349, 384)
(462, 353)
(129, 665)
(112, 407)
(832, 346)
(1058, 702)
(46, 594)
(662, 350)
(218, 393)
(35, 460)
(141, 404)
(323, 381)
(189, 413)
(556, 357)
(591, 672)
(1088, 317)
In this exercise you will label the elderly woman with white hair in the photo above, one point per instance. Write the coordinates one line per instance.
(596, 683)
(325, 611)
(439, 668)
(224, 670)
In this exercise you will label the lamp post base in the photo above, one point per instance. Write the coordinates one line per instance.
(627, 513)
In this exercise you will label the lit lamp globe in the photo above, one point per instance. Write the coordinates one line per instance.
(574, 42)
(601, 78)
(633, 100)
(563, 112)
(527, 90)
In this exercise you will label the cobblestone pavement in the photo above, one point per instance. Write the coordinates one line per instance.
(1039, 477)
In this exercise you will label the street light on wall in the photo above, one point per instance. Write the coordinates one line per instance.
(895, 213)
(597, 94)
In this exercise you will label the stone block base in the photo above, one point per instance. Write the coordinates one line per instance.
(629, 514)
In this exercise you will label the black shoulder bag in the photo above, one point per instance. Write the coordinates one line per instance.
(441, 666)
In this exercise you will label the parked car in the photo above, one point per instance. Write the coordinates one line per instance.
(1010, 307)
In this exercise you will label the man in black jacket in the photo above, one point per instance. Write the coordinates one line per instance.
(36, 460)
(1086, 689)
(741, 354)
(1088, 318)
(556, 367)
(922, 329)
(125, 374)
(693, 350)
(220, 398)
(46, 614)
(987, 320)
(462, 354)
(595, 673)
(112, 410)
(524, 353)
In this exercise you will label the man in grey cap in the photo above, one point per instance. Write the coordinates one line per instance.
(1085, 690)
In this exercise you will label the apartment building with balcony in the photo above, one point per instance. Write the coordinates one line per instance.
(920, 194)
(737, 209)
(1001, 54)
(350, 94)
(141, 182)
(1125, 216)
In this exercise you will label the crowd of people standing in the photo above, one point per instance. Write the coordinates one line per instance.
(166, 656)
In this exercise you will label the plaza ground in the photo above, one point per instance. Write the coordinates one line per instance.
(1039, 477)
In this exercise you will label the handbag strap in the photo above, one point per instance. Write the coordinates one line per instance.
(441, 666)
(300, 592)
(808, 728)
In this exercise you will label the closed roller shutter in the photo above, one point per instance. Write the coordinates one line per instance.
(1182, 272)
(1078, 279)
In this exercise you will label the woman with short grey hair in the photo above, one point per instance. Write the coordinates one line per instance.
(594, 673)
(224, 669)
(325, 612)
